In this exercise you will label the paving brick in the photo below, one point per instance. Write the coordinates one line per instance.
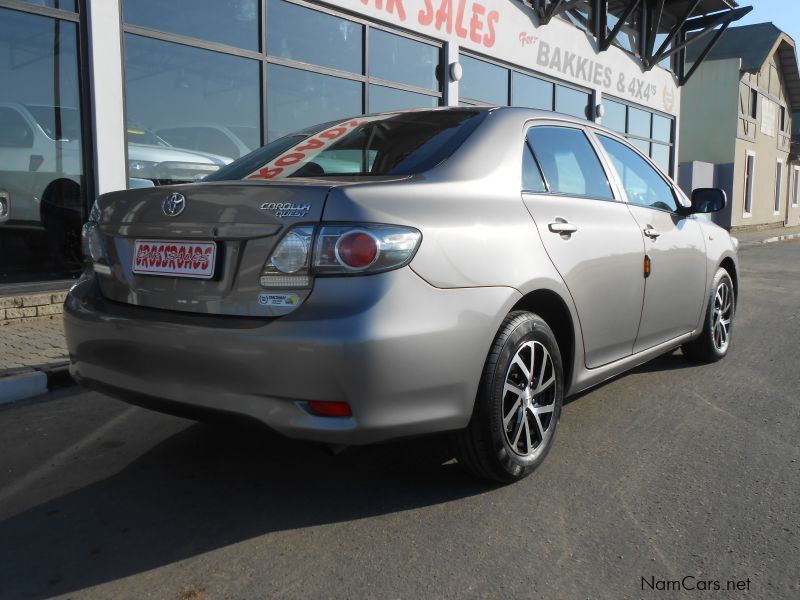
(50, 309)
(29, 311)
(28, 320)
(58, 298)
(13, 313)
(10, 302)
(30, 341)
(37, 300)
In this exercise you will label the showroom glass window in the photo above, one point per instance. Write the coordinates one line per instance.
(650, 132)
(232, 22)
(175, 95)
(209, 80)
(487, 83)
(42, 186)
(482, 82)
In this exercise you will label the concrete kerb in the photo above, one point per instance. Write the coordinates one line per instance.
(770, 240)
(23, 383)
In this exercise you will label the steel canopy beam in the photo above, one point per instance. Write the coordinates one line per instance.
(701, 57)
(606, 40)
(651, 15)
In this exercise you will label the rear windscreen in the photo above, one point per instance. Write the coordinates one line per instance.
(387, 144)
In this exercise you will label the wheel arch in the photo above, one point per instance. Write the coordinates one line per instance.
(61, 184)
(554, 310)
(730, 266)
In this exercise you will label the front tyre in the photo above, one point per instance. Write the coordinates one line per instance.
(519, 401)
(715, 339)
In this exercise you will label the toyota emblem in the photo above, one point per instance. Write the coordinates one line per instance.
(173, 204)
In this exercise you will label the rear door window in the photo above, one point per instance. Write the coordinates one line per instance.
(532, 180)
(569, 163)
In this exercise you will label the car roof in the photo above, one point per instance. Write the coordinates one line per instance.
(519, 111)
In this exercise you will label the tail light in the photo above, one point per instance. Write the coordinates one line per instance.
(363, 248)
(289, 265)
(91, 241)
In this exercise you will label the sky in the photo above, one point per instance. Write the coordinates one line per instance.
(785, 14)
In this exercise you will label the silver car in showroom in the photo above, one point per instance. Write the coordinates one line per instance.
(453, 270)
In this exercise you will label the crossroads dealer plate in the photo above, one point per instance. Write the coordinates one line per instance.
(174, 259)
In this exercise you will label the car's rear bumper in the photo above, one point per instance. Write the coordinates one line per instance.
(406, 356)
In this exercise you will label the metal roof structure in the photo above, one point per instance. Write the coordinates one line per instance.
(754, 45)
(679, 24)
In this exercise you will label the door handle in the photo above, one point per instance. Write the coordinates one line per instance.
(562, 227)
(652, 232)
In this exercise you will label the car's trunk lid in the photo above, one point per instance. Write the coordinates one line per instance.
(241, 221)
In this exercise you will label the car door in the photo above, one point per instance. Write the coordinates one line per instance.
(675, 287)
(590, 236)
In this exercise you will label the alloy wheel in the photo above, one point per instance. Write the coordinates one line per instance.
(721, 316)
(529, 395)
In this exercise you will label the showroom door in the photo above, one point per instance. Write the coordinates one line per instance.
(589, 235)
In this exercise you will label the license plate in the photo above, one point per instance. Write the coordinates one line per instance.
(174, 259)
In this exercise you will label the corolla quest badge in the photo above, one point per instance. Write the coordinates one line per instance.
(173, 204)
(286, 209)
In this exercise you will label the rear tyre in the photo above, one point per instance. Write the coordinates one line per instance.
(519, 401)
(715, 339)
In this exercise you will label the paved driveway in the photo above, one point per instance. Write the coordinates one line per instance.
(673, 471)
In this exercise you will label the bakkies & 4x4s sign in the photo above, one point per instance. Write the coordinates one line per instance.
(509, 31)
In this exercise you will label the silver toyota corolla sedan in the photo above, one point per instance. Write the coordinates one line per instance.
(399, 274)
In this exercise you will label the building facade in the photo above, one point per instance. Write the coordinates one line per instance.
(743, 96)
(100, 95)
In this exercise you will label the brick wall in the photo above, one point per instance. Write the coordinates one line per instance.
(31, 307)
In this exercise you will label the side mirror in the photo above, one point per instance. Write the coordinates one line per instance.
(708, 200)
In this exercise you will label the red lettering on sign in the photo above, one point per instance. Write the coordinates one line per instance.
(299, 153)
(461, 31)
(476, 23)
(266, 174)
(443, 16)
(491, 20)
(332, 134)
(471, 21)
(290, 159)
(391, 6)
(425, 17)
(311, 144)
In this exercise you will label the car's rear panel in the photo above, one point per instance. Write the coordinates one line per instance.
(243, 219)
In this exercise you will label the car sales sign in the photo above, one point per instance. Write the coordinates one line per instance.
(509, 30)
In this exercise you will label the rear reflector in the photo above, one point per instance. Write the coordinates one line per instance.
(357, 249)
(330, 409)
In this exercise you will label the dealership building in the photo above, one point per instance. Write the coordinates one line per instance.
(100, 95)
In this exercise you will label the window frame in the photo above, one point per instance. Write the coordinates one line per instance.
(796, 187)
(616, 195)
(671, 145)
(596, 132)
(754, 102)
(780, 169)
(749, 184)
